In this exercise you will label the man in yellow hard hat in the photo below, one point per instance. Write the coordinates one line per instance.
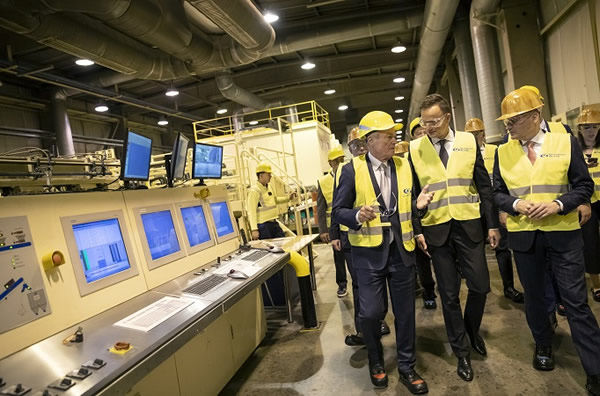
(451, 164)
(503, 255)
(324, 202)
(262, 206)
(415, 129)
(540, 179)
(375, 200)
(401, 149)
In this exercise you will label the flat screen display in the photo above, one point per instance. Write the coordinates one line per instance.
(137, 157)
(179, 156)
(208, 161)
(101, 249)
(220, 213)
(160, 234)
(195, 224)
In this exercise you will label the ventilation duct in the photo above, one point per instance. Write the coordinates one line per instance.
(236, 94)
(466, 69)
(61, 124)
(438, 20)
(487, 64)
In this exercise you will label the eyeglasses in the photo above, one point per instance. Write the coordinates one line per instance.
(518, 120)
(436, 122)
(387, 212)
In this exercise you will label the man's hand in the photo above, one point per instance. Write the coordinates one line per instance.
(540, 210)
(337, 244)
(424, 198)
(366, 213)
(585, 212)
(502, 216)
(325, 237)
(494, 238)
(524, 206)
(255, 235)
(422, 244)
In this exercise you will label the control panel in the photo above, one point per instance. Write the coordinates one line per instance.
(22, 295)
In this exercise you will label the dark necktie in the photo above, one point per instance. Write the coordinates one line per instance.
(443, 152)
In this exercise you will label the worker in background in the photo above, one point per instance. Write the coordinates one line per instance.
(324, 202)
(262, 206)
(540, 179)
(423, 259)
(375, 199)
(401, 149)
(503, 255)
(588, 123)
(451, 164)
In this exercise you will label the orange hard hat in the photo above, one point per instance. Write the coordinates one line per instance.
(353, 135)
(474, 125)
(589, 116)
(518, 102)
(535, 90)
(401, 147)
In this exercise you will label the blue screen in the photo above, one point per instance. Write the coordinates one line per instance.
(160, 234)
(221, 217)
(207, 161)
(137, 157)
(101, 249)
(195, 225)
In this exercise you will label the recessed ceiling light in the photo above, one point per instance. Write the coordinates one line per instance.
(307, 65)
(101, 107)
(398, 80)
(162, 121)
(221, 111)
(270, 17)
(253, 122)
(399, 98)
(172, 92)
(398, 111)
(399, 120)
(329, 91)
(398, 48)
(343, 107)
(84, 62)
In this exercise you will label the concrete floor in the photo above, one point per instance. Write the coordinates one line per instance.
(290, 362)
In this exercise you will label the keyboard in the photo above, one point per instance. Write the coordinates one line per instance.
(205, 285)
(255, 256)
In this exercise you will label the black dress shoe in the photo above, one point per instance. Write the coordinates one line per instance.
(413, 382)
(354, 340)
(513, 294)
(429, 303)
(542, 358)
(593, 385)
(385, 329)
(379, 378)
(464, 369)
(478, 344)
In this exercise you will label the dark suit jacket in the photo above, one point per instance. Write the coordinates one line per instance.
(581, 190)
(438, 234)
(344, 212)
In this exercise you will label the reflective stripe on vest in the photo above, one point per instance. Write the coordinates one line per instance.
(371, 232)
(455, 194)
(326, 184)
(550, 175)
(595, 175)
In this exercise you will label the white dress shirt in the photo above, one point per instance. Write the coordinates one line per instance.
(448, 144)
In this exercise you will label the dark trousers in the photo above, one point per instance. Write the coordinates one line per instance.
(270, 229)
(460, 250)
(504, 258)
(340, 269)
(425, 274)
(373, 295)
(570, 271)
(347, 250)
(551, 290)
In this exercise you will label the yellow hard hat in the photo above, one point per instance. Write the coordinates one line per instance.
(377, 121)
(335, 152)
(518, 102)
(413, 124)
(263, 167)
(534, 90)
(353, 135)
(401, 147)
(589, 116)
(474, 125)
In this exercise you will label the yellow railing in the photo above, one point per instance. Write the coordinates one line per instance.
(305, 111)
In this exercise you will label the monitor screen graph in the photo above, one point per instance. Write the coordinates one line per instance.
(136, 163)
(195, 224)
(208, 160)
(160, 234)
(220, 213)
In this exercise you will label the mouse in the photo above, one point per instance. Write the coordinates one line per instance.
(275, 249)
(235, 274)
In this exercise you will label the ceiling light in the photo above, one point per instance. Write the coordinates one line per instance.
(329, 91)
(307, 65)
(172, 91)
(101, 107)
(398, 111)
(221, 111)
(162, 121)
(343, 107)
(253, 122)
(398, 48)
(84, 62)
(398, 80)
(270, 17)
(399, 120)
(399, 98)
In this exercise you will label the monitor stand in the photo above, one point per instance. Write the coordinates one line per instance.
(200, 183)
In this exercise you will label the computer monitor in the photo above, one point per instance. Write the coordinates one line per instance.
(198, 234)
(225, 227)
(135, 164)
(178, 158)
(158, 234)
(100, 250)
(208, 161)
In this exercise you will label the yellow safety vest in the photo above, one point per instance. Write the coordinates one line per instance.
(455, 194)
(338, 174)
(267, 204)
(326, 184)
(595, 175)
(489, 153)
(544, 181)
(556, 127)
(371, 232)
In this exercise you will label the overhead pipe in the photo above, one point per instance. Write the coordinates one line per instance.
(61, 125)
(236, 94)
(487, 64)
(466, 69)
(439, 15)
